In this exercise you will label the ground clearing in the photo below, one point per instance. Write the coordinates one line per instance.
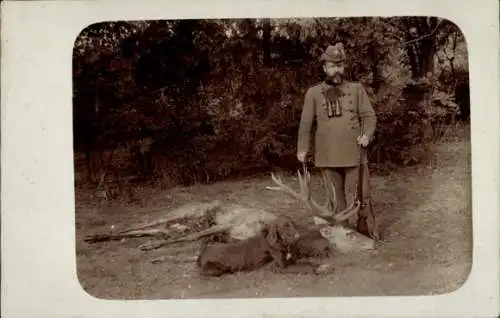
(427, 246)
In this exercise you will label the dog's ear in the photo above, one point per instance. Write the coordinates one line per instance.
(272, 236)
(289, 232)
(264, 231)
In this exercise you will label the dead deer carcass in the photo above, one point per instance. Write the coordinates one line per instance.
(329, 220)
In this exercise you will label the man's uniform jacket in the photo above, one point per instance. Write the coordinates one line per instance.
(335, 137)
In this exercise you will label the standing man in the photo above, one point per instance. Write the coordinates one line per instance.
(345, 122)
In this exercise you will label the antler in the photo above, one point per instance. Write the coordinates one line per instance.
(304, 196)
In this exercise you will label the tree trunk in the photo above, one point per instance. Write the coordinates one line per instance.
(421, 47)
(266, 43)
(376, 76)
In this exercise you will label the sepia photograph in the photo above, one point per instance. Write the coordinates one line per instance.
(299, 157)
(267, 159)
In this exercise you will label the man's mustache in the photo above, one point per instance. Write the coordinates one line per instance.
(337, 74)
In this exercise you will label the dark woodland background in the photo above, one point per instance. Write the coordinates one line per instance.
(185, 101)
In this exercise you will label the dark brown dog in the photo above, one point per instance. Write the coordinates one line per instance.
(272, 246)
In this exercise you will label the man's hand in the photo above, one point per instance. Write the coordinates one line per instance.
(363, 140)
(301, 156)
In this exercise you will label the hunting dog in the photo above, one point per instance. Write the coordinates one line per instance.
(271, 246)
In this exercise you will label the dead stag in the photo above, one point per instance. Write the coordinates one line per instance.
(240, 223)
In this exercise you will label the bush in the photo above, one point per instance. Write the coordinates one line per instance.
(219, 106)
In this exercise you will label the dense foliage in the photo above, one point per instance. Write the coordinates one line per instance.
(201, 100)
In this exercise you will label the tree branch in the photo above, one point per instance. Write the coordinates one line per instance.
(420, 38)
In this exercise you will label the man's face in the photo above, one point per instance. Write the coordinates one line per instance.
(334, 71)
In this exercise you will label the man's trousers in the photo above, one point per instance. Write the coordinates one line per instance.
(345, 182)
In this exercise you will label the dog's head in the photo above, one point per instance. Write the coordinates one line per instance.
(281, 233)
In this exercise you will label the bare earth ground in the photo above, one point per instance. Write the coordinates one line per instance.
(426, 248)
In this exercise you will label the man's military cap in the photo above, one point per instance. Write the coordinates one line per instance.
(334, 53)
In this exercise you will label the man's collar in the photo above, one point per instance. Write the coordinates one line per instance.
(325, 85)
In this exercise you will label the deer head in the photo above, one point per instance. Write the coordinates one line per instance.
(329, 218)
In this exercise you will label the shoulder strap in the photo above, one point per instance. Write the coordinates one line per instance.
(359, 192)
